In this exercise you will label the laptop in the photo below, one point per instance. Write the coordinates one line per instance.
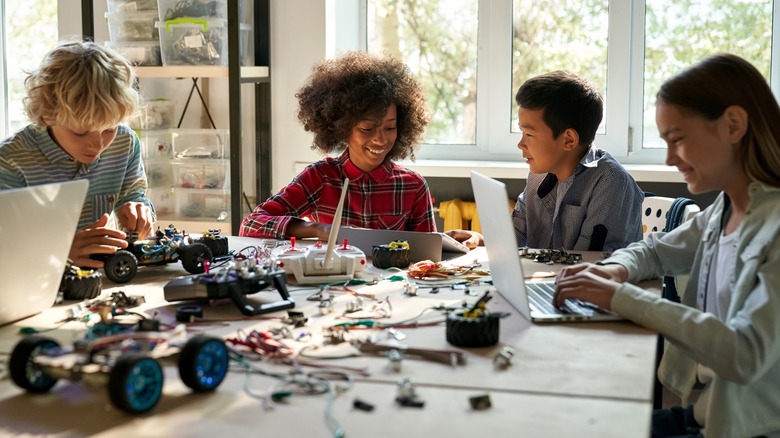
(422, 246)
(533, 299)
(37, 225)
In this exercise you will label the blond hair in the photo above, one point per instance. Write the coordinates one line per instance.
(81, 85)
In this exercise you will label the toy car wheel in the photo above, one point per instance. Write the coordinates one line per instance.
(22, 368)
(121, 267)
(481, 331)
(81, 287)
(135, 383)
(192, 257)
(203, 363)
(218, 245)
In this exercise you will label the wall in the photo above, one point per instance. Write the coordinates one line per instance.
(297, 43)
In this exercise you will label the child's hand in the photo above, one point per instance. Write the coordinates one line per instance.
(136, 216)
(303, 229)
(471, 239)
(588, 282)
(614, 271)
(95, 239)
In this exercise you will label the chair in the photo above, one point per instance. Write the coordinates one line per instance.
(656, 209)
(463, 215)
(665, 214)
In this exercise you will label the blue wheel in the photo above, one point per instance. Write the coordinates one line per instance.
(23, 369)
(135, 383)
(203, 363)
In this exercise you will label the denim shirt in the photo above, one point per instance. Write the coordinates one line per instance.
(598, 208)
(743, 351)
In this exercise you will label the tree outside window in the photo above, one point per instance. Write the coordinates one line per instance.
(30, 31)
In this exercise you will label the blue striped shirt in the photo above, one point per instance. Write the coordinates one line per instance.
(598, 208)
(31, 157)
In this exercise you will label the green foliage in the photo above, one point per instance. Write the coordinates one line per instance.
(553, 35)
(31, 31)
(682, 32)
(438, 40)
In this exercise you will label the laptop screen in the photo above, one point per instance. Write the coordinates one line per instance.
(37, 225)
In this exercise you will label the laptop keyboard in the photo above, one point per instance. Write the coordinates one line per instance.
(540, 296)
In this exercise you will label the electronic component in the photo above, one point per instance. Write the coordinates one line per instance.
(395, 357)
(406, 394)
(504, 356)
(480, 402)
(242, 277)
(363, 406)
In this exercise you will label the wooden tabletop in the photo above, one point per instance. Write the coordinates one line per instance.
(584, 379)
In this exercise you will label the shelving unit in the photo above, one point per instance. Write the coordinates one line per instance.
(259, 75)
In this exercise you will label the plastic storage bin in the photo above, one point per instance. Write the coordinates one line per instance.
(156, 144)
(132, 26)
(132, 5)
(196, 41)
(163, 199)
(201, 175)
(210, 205)
(210, 9)
(155, 114)
(194, 144)
(138, 52)
(158, 174)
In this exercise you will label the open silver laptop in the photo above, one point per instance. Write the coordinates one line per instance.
(533, 299)
(37, 225)
(422, 246)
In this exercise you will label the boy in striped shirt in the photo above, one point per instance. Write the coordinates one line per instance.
(76, 100)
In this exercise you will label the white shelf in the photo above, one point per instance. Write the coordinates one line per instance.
(200, 71)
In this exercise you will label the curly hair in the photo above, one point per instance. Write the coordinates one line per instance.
(81, 85)
(341, 91)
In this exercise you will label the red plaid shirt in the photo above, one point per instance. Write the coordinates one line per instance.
(388, 198)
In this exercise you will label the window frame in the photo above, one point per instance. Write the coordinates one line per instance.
(5, 127)
(623, 113)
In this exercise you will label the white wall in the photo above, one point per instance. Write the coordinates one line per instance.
(297, 43)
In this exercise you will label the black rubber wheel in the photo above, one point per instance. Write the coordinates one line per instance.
(81, 287)
(121, 267)
(385, 256)
(135, 383)
(481, 331)
(218, 245)
(192, 257)
(203, 363)
(24, 372)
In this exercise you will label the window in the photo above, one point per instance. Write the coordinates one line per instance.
(742, 27)
(472, 56)
(29, 31)
(438, 40)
